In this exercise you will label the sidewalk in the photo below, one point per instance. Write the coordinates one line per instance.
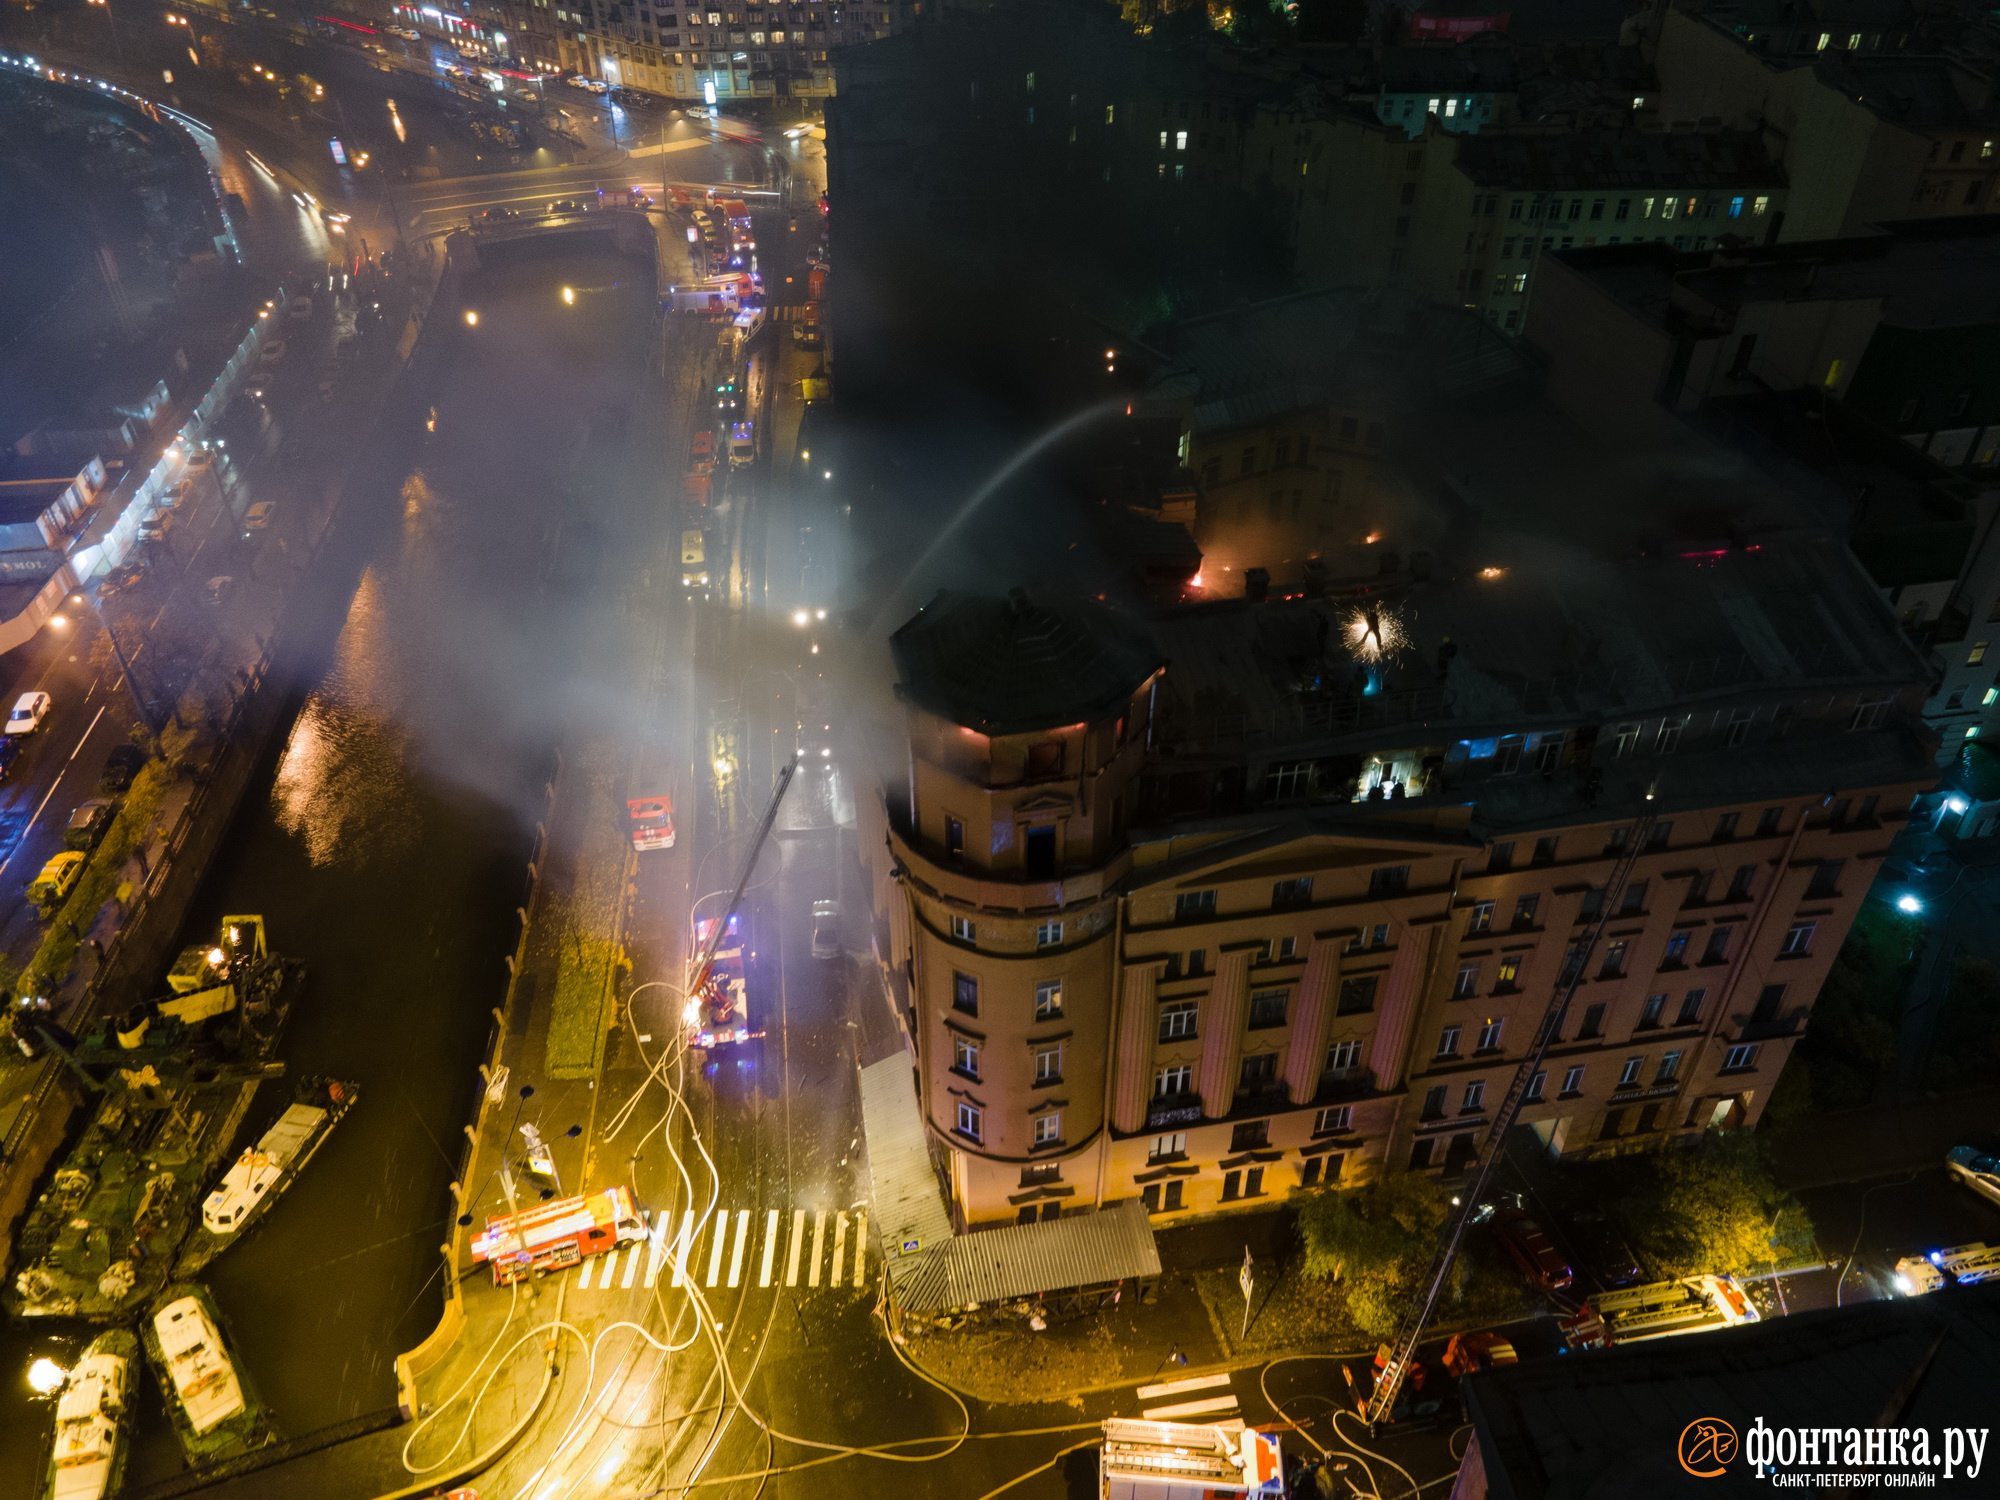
(1195, 1311)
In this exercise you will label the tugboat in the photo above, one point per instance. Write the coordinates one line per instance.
(256, 1178)
(173, 1080)
(216, 1415)
(89, 1458)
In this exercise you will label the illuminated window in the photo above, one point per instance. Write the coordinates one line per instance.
(1977, 654)
(1757, 207)
(1825, 41)
(1048, 1000)
(1854, 42)
(965, 1057)
(1180, 140)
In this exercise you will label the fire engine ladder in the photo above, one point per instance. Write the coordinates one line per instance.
(1403, 1353)
(764, 825)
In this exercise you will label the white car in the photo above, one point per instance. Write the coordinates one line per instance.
(274, 353)
(826, 929)
(29, 711)
(1977, 1169)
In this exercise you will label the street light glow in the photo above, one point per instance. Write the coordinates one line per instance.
(1909, 905)
(800, 617)
(471, 318)
(569, 295)
(46, 1377)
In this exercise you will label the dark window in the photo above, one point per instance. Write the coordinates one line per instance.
(1545, 851)
(954, 840)
(1045, 759)
(1260, 1070)
(1725, 827)
(1191, 904)
(1718, 945)
(1593, 1022)
(1357, 995)
(1768, 821)
(1633, 899)
(1420, 1154)
(1826, 879)
(1690, 1007)
(1267, 1008)
(1500, 857)
(1768, 1000)
(1039, 855)
(1390, 880)
(965, 993)
(1524, 910)
(1251, 1135)
(1037, 1176)
(1434, 1103)
(1739, 883)
(1297, 892)
(1651, 1011)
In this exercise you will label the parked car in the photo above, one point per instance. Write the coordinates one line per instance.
(200, 461)
(10, 751)
(1978, 1170)
(826, 929)
(29, 711)
(259, 516)
(274, 353)
(57, 878)
(218, 588)
(302, 309)
(87, 824)
(1601, 1250)
(120, 578)
(120, 766)
(1528, 1245)
(158, 527)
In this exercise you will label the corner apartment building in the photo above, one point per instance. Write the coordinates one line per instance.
(1871, 118)
(1215, 905)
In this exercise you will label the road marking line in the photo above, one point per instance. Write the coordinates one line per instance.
(770, 1248)
(860, 1245)
(792, 1252)
(1182, 1387)
(656, 1248)
(583, 1275)
(631, 1266)
(683, 1242)
(1190, 1408)
(29, 827)
(715, 1255)
(839, 1249)
(819, 1241)
(742, 1239)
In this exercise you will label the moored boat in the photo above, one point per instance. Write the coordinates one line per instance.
(92, 1421)
(216, 1413)
(257, 1177)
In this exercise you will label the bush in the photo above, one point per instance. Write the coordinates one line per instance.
(1711, 1207)
(1966, 1049)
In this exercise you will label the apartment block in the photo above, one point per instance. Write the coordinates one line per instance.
(1463, 218)
(1873, 116)
(1209, 905)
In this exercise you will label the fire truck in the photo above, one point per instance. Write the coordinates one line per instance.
(719, 1012)
(550, 1236)
(1693, 1304)
(1961, 1265)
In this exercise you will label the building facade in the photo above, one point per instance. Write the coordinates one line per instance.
(1150, 943)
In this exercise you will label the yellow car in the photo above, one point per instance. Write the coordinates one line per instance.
(58, 876)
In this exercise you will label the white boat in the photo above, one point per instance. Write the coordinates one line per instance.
(204, 1380)
(254, 1174)
(89, 1457)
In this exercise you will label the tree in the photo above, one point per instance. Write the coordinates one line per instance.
(1712, 1207)
(1377, 1241)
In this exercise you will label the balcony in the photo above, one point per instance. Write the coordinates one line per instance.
(1173, 1109)
(1345, 1083)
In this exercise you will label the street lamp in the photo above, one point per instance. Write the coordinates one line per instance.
(117, 45)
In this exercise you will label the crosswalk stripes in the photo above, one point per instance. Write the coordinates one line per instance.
(1210, 1406)
(715, 1249)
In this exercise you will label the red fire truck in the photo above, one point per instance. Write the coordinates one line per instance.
(550, 1236)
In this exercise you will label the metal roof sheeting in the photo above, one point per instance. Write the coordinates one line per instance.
(908, 1207)
(1021, 1260)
